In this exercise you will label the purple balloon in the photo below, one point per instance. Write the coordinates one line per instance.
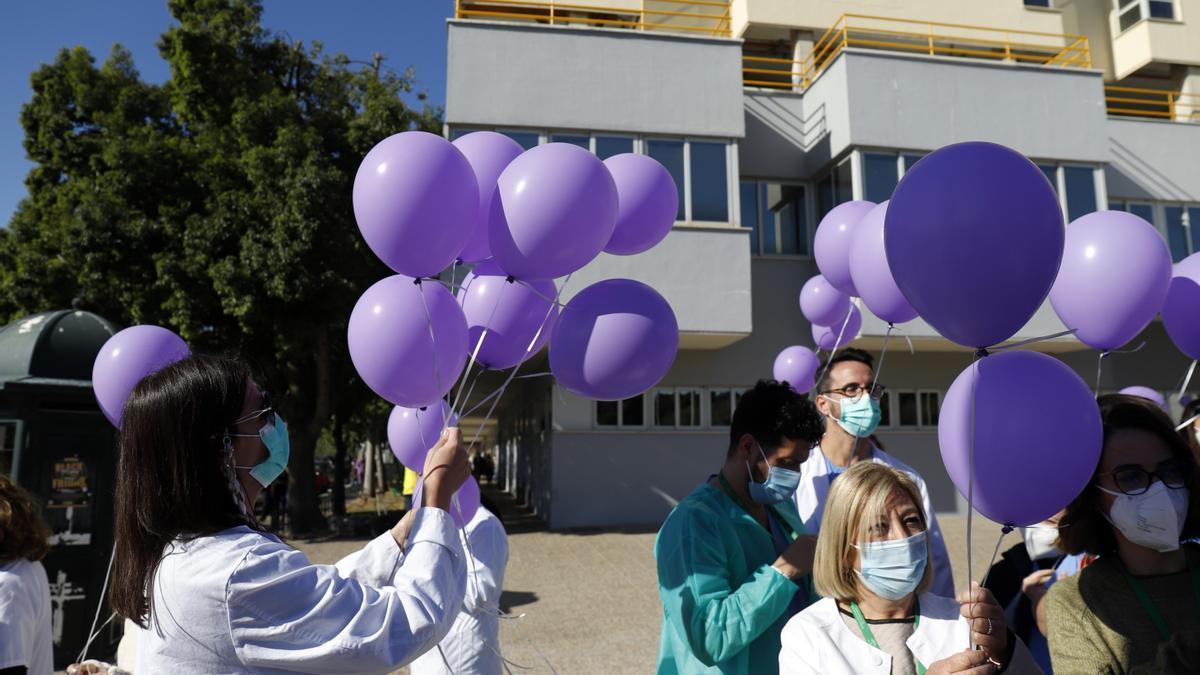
(416, 202)
(1037, 435)
(1115, 273)
(831, 245)
(871, 273)
(1180, 315)
(512, 312)
(797, 366)
(126, 358)
(615, 339)
(464, 505)
(974, 237)
(556, 212)
(647, 200)
(826, 337)
(489, 153)
(821, 303)
(1149, 394)
(391, 345)
(412, 432)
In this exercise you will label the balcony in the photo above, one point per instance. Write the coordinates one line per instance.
(698, 17)
(927, 38)
(1161, 104)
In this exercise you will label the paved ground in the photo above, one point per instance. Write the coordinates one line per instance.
(588, 601)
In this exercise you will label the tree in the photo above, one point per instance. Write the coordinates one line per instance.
(217, 204)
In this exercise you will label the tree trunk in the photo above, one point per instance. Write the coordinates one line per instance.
(369, 469)
(383, 479)
(303, 511)
(339, 469)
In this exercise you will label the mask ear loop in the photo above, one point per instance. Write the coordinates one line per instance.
(239, 495)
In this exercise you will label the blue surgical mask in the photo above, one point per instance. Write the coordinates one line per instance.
(780, 485)
(275, 437)
(893, 569)
(860, 416)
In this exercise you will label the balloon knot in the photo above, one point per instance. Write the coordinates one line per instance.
(417, 281)
(1008, 527)
(423, 408)
(982, 352)
(510, 279)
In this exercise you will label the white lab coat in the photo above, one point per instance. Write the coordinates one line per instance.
(25, 627)
(814, 488)
(241, 601)
(473, 645)
(817, 640)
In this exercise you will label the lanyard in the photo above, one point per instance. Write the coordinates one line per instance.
(728, 490)
(1148, 604)
(870, 637)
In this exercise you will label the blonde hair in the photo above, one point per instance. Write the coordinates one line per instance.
(856, 499)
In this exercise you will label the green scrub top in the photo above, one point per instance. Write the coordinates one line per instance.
(724, 606)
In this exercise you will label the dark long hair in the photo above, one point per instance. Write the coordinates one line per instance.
(174, 478)
(1083, 527)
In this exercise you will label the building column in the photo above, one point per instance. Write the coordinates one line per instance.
(1187, 105)
(801, 47)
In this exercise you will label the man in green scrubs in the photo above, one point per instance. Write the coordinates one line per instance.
(734, 562)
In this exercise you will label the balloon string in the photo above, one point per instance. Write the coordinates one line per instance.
(512, 373)
(1004, 530)
(540, 294)
(471, 389)
(982, 353)
(532, 375)
(437, 373)
(1030, 341)
(482, 402)
(836, 344)
(1187, 379)
(882, 353)
(478, 344)
(1099, 367)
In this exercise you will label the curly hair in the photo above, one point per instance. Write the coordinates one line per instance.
(771, 412)
(23, 531)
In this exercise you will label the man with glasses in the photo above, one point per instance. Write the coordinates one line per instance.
(848, 398)
(734, 560)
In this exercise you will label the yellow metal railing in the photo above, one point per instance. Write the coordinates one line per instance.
(1156, 103)
(707, 17)
(921, 37)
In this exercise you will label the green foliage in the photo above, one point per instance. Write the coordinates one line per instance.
(217, 204)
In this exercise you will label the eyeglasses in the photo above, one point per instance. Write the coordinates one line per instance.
(266, 409)
(1132, 479)
(855, 390)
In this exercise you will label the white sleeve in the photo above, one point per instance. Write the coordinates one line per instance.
(487, 557)
(943, 575)
(288, 614)
(17, 618)
(374, 564)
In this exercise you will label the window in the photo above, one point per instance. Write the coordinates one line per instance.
(1075, 186)
(664, 408)
(617, 414)
(10, 433)
(1162, 9)
(909, 160)
(1130, 12)
(720, 407)
(710, 184)
(1037, 3)
(525, 139)
(689, 407)
(1080, 185)
(607, 146)
(837, 187)
(777, 216)
(670, 155)
(881, 172)
(574, 139)
(917, 409)
(1182, 225)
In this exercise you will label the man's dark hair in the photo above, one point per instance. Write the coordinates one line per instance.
(851, 354)
(771, 412)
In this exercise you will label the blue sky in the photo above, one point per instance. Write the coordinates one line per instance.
(407, 32)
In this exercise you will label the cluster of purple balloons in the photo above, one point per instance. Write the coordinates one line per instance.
(523, 219)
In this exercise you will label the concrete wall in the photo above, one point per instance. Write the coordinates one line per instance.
(703, 272)
(819, 14)
(597, 79)
(1149, 159)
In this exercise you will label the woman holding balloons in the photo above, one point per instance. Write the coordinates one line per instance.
(1137, 608)
(874, 570)
(199, 441)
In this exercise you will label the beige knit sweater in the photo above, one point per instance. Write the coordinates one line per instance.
(1097, 625)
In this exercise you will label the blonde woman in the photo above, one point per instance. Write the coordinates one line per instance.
(872, 567)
